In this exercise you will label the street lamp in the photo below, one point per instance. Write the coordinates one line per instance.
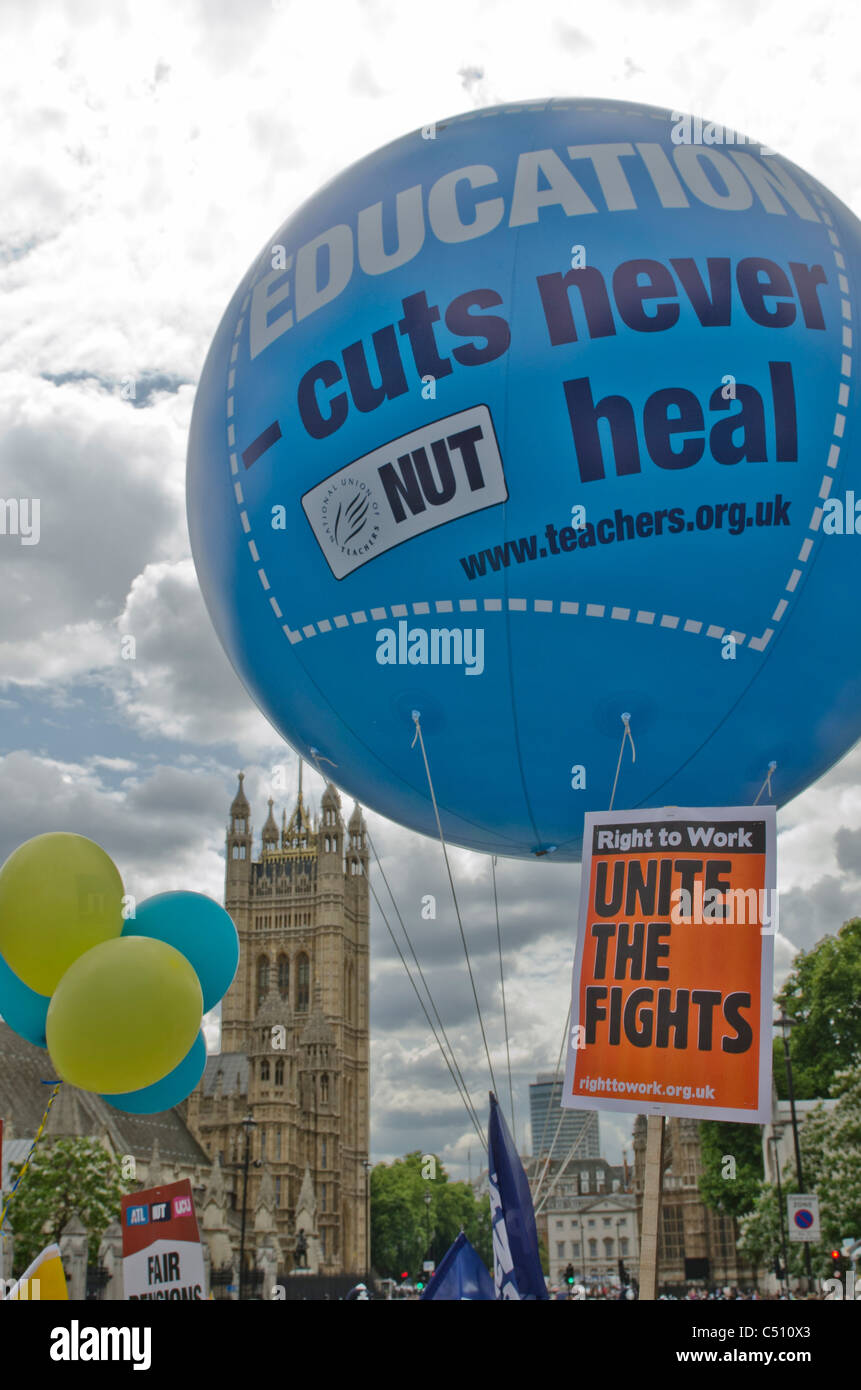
(248, 1124)
(775, 1138)
(582, 1261)
(620, 1262)
(427, 1208)
(366, 1164)
(784, 1024)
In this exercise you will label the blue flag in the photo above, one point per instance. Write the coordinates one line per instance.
(461, 1273)
(516, 1262)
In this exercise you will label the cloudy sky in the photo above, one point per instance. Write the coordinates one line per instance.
(148, 150)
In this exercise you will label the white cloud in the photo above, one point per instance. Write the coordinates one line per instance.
(149, 152)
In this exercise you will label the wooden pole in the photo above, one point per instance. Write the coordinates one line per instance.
(652, 1187)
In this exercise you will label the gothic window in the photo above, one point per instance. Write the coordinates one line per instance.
(235, 851)
(323, 1155)
(277, 1192)
(241, 851)
(264, 1069)
(279, 1075)
(324, 1088)
(303, 979)
(283, 977)
(263, 1131)
(323, 1234)
(323, 1190)
(262, 978)
(240, 826)
(278, 1130)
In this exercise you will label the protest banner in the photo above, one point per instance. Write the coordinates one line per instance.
(162, 1254)
(672, 982)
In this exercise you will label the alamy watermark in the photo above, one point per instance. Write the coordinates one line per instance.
(21, 517)
(436, 646)
(693, 130)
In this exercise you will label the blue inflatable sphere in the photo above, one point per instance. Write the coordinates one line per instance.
(21, 1007)
(200, 929)
(170, 1090)
(542, 415)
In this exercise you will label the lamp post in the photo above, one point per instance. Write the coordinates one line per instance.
(620, 1259)
(785, 1024)
(582, 1256)
(427, 1210)
(366, 1164)
(774, 1138)
(248, 1124)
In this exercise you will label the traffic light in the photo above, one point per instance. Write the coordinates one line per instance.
(419, 1285)
(569, 1275)
(835, 1262)
(405, 1274)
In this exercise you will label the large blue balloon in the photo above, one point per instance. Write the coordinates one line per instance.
(200, 929)
(491, 322)
(170, 1090)
(21, 1007)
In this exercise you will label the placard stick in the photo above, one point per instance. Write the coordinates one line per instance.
(653, 1182)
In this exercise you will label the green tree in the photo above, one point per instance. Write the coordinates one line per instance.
(831, 1157)
(65, 1176)
(823, 996)
(406, 1229)
(730, 1187)
(759, 1239)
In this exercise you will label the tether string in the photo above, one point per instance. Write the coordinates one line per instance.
(591, 1114)
(767, 783)
(504, 1009)
(419, 736)
(547, 1113)
(627, 737)
(464, 1094)
(626, 720)
(453, 1064)
(26, 1164)
(457, 1068)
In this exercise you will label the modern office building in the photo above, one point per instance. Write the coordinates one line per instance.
(577, 1127)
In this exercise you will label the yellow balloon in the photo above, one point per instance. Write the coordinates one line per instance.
(60, 894)
(124, 1015)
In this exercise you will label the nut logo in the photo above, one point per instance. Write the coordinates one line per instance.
(349, 516)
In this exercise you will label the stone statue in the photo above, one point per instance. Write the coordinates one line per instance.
(301, 1251)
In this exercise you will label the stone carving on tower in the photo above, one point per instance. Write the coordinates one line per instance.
(294, 1032)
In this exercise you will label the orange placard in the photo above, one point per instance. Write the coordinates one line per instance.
(671, 996)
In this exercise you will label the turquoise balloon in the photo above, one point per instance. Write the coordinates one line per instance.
(22, 1008)
(173, 1088)
(197, 927)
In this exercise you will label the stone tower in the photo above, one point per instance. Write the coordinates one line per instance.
(294, 1027)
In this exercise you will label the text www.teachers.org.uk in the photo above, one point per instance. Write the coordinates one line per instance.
(621, 526)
